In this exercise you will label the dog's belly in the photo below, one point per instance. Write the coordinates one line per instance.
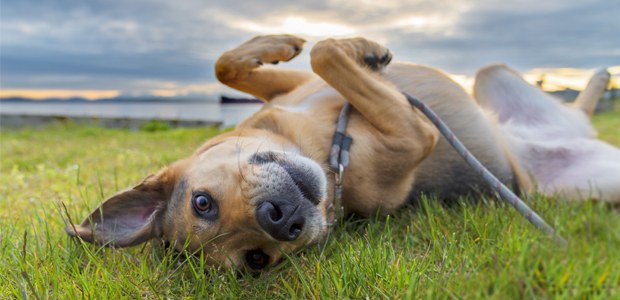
(449, 178)
(310, 103)
(315, 99)
(574, 166)
(444, 173)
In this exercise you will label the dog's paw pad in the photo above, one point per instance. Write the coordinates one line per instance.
(376, 63)
(371, 61)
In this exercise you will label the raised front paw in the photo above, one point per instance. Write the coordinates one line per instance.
(271, 48)
(366, 53)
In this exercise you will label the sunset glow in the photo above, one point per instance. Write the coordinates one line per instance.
(555, 79)
(297, 25)
(562, 78)
(62, 94)
(168, 48)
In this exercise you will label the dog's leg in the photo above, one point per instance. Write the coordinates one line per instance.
(588, 98)
(241, 69)
(504, 92)
(553, 142)
(393, 138)
(347, 65)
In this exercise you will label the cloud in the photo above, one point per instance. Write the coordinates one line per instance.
(148, 45)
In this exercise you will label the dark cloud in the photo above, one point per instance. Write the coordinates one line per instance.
(577, 36)
(33, 68)
(102, 44)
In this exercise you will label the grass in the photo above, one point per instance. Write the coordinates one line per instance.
(431, 252)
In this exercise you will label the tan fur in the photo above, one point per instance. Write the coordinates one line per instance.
(396, 153)
(587, 99)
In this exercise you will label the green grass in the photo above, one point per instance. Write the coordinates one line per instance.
(467, 252)
(608, 125)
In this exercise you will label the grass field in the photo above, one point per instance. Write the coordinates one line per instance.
(467, 252)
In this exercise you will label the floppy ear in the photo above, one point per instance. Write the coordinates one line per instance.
(129, 217)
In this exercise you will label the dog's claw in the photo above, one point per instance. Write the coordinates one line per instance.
(275, 62)
(385, 60)
(256, 60)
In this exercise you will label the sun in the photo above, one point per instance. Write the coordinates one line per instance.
(298, 26)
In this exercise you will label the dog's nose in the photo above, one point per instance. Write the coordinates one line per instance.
(283, 220)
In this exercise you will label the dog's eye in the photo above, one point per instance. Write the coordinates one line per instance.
(202, 203)
(257, 259)
(205, 206)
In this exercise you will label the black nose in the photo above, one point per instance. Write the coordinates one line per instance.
(281, 219)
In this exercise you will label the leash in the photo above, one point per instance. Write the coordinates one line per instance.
(495, 184)
(339, 160)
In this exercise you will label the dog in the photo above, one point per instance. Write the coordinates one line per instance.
(265, 188)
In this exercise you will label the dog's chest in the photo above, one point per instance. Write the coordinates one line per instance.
(311, 103)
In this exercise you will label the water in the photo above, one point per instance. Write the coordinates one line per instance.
(211, 112)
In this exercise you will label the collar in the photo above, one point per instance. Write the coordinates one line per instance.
(339, 161)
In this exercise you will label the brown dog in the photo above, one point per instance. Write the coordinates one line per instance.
(246, 194)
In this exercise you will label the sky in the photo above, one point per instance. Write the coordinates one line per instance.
(105, 48)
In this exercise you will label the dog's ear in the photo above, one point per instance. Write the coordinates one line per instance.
(129, 217)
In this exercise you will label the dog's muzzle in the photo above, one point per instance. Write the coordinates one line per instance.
(289, 206)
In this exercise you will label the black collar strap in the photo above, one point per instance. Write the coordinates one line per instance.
(339, 161)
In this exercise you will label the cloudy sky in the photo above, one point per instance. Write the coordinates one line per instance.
(102, 48)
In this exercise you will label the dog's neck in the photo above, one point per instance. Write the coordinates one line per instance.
(312, 137)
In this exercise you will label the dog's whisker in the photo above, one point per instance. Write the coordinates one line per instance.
(256, 152)
(239, 149)
(312, 151)
(311, 156)
(240, 133)
(248, 145)
(299, 142)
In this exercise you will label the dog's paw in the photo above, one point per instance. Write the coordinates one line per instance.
(272, 48)
(373, 55)
(366, 53)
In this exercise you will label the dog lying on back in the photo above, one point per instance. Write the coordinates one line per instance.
(245, 195)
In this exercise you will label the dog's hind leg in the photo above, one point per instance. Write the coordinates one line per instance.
(241, 69)
(553, 142)
(503, 91)
(588, 98)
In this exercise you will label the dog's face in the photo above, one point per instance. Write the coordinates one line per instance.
(242, 201)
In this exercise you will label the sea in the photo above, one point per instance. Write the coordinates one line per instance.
(204, 111)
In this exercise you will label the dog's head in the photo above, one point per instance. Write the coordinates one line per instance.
(241, 200)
